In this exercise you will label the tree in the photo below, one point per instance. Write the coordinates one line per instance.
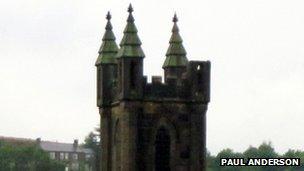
(267, 151)
(295, 154)
(92, 141)
(226, 153)
(209, 159)
(26, 158)
(251, 152)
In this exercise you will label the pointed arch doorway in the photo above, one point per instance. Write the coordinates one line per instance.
(162, 150)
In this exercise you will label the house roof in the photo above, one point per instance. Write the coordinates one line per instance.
(47, 145)
(17, 141)
(63, 147)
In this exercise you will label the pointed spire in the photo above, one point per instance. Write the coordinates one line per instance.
(108, 17)
(108, 48)
(130, 45)
(176, 53)
(175, 19)
(130, 8)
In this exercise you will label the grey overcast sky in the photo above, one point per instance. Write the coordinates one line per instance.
(48, 49)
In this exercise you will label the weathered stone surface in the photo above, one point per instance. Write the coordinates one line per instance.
(152, 126)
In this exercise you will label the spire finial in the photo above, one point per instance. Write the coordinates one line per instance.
(109, 25)
(175, 19)
(130, 9)
(108, 16)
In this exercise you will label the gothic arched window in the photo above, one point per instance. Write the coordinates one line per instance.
(162, 150)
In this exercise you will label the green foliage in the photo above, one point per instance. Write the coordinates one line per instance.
(226, 153)
(251, 152)
(26, 158)
(92, 141)
(265, 150)
(295, 154)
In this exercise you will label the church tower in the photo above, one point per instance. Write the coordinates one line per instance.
(157, 126)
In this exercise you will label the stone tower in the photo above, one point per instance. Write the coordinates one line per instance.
(157, 126)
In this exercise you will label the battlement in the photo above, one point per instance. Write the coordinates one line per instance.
(193, 85)
(199, 74)
(144, 120)
(120, 71)
(156, 80)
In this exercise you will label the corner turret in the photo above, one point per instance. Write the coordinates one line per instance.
(198, 76)
(108, 48)
(176, 61)
(106, 67)
(130, 62)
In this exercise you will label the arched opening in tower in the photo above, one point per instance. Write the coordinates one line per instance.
(162, 150)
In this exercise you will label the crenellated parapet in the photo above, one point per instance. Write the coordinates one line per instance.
(193, 86)
(155, 125)
(120, 70)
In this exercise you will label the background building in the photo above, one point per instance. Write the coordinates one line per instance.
(75, 156)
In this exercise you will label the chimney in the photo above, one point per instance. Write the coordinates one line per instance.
(38, 141)
(75, 144)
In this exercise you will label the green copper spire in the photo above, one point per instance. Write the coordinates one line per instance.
(176, 53)
(108, 48)
(130, 45)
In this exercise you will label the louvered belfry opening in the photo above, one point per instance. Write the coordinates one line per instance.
(162, 150)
